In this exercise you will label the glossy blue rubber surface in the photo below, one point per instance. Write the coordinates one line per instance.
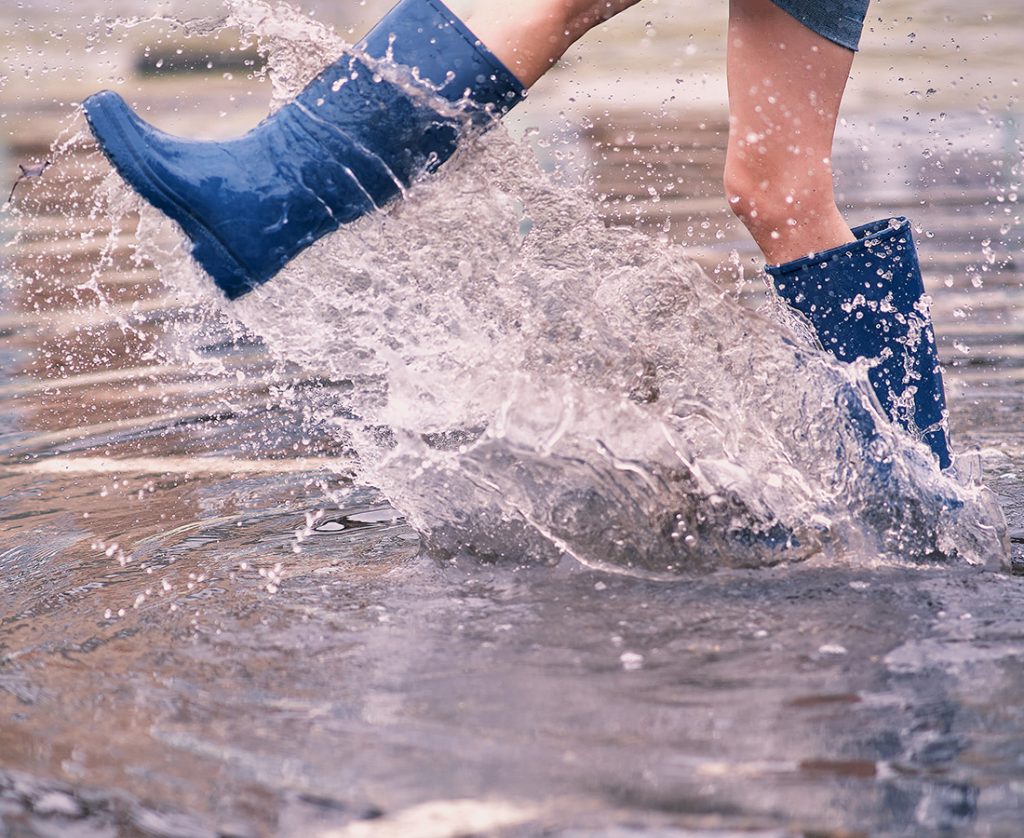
(347, 145)
(863, 300)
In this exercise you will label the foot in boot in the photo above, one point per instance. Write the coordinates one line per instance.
(348, 144)
(866, 300)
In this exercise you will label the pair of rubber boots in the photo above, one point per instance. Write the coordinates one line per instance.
(361, 132)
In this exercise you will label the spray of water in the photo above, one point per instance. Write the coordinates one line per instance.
(529, 383)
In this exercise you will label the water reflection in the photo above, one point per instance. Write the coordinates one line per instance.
(373, 680)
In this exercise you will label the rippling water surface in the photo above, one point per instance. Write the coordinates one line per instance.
(526, 527)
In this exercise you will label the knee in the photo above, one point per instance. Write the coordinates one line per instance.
(757, 198)
(738, 184)
(773, 194)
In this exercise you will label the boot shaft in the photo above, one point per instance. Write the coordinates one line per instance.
(866, 300)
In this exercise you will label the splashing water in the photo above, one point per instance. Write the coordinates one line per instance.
(530, 383)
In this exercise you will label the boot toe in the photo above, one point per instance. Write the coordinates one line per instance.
(141, 156)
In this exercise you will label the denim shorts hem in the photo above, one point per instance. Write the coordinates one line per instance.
(840, 21)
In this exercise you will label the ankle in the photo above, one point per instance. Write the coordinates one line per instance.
(780, 248)
(531, 36)
(528, 39)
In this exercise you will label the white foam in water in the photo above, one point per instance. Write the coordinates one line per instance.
(531, 383)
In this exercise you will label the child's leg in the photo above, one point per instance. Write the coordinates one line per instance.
(353, 140)
(862, 293)
(785, 86)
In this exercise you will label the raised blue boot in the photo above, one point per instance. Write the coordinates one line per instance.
(865, 300)
(347, 145)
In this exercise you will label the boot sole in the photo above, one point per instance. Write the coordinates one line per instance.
(107, 116)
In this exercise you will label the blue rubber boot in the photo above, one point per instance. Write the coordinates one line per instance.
(864, 300)
(348, 144)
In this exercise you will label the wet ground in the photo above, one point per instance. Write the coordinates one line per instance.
(206, 629)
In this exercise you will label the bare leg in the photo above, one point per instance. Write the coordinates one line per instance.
(785, 86)
(529, 36)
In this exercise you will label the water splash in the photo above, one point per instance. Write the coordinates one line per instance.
(578, 389)
(530, 383)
